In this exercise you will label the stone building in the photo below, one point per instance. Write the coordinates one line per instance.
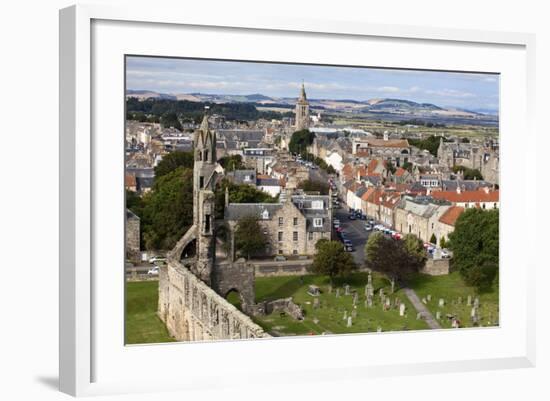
(293, 227)
(302, 111)
(398, 151)
(133, 252)
(484, 197)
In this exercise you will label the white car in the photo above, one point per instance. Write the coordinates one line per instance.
(445, 254)
(153, 271)
(156, 259)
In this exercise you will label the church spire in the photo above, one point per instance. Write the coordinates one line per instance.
(303, 92)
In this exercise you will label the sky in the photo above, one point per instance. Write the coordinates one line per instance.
(474, 91)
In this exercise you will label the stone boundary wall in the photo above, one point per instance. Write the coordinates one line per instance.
(274, 269)
(436, 267)
(192, 311)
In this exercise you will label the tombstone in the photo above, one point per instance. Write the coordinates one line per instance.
(469, 300)
(455, 324)
(349, 321)
(346, 289)
(441, 302)
(315, 320)
(338, 293)
(379, 329)
(315, 303)
(402, 309)
(354, 313)
(424, 301)
(387, 304)
(476, 302)
(438, 315)
(429, 297)
(329, 289)
(381, 293)
(392, 285)
(345, 315)
(355, 299)
(460, 300)
(369, 301)
(396, 303)
(419, 316)
(314, 291)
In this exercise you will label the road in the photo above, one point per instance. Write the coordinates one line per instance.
(355, 232)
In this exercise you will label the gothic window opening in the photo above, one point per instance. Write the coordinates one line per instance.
(201, 181)
(207, 222)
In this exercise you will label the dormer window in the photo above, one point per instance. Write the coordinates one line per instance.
(317, 204)
(265, 214)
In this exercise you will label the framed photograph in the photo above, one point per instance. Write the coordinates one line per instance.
(306, 199)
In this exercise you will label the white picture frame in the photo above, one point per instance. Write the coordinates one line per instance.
(92, 363)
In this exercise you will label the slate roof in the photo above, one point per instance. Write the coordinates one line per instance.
(236, 211)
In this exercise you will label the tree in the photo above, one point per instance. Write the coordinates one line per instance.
(443, 242)
(231, 162)
(390, 167)
(300, 140)
(474, 243)
(250, 238)
(433, 239)
(468, 173)
(314, 186)
(170, 119)
(396, 259)
(239, 193)
(332, 260)
(168, 209)
(172, 161)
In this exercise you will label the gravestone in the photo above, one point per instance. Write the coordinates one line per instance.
(459, 300)
(424, 301)
(441, 302)
(355, 299)
(315, 320)
(438, 315)
(349, 321)
(381, 293)
(369, 301)
(315, 303)
(476, 302)
(455, 324)
(345, 315)
(338, 293)
(329, 289)
(469, 300)
(419, 316)
(379, 329)
(402, 309)
(429, 297)
(346, 289)
(354, 313)
(387, 304)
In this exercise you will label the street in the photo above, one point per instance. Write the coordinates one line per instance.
(355, 232)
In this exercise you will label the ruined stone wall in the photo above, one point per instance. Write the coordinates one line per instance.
(436, 267)
(192, 311)
(132, 239)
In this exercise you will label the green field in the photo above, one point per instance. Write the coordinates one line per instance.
(330, 314)
(450, 288)
(142, 324)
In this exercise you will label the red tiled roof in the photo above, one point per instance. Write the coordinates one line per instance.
(130, 180)
(450, 215)
(400, 172)
(367, 194)
(467, 196)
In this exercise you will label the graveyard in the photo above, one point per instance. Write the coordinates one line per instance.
(457, 299)
(336, 312)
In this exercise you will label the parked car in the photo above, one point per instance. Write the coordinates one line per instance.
(368, 227)
(340, 229)
(352, 217)
(445, 254)
(371, 222)
(396, 235)
(336, 221)
(279, 258)
(156, 259)
(153, 271)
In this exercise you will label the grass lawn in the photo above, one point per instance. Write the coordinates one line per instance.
(330, 314)
(450, 288)
(142, 325)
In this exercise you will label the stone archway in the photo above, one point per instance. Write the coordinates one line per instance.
(234, 297)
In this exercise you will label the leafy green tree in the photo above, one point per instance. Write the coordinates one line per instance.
(443, 242)
(390, 167)
(433, 239)
(431, 144)
(468, 173)
(407, 166)
(170, 119)
(250, 238)
(172, 161)
(168, 209)
(474, 243)
(415, 250)
(391, 257)
(314, 186)
(231, 162)
(300, 140)
(332, 260)
(239, 193)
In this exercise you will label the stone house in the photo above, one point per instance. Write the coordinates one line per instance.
(419, 216)
(446, 223)
(293, 227)
(398, 151)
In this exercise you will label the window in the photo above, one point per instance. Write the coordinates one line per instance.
(206, 155)
(280, 251)
(317, 204)
(295, 252)
(280, 221)
(295, 221)
(280, 235)
(201, 181)
(318, 222)
(295, 236)
(310, 236)
(207, 223)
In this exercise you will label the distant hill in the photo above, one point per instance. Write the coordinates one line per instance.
(385, 107)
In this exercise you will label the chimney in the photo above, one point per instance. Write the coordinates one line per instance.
(385, 135)
(458, 190)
